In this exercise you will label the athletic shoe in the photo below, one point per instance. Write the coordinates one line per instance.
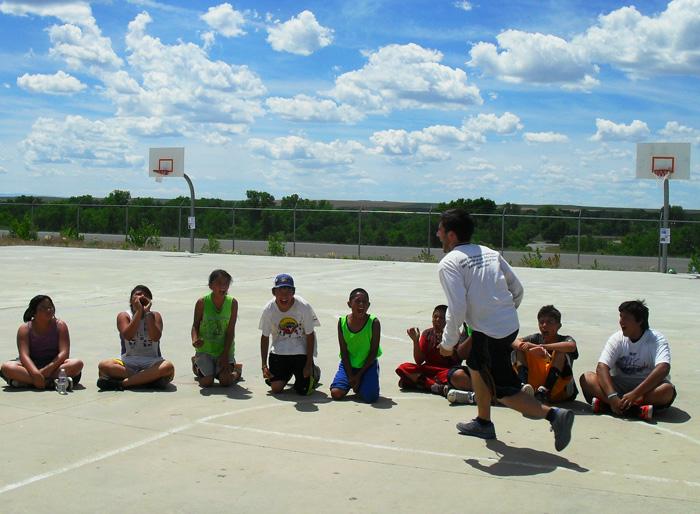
(542, 394)
(459, 396)
(527, 389)
(646, 412)
(313, 379)
(476, 429)
(561, 426)
(439, 389)
(161, 383)
(109, 384)
(16, 384)
(597, 405)
(69, 385)
(76, 379)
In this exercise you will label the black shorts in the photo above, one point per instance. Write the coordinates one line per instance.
(453, 370)
(491, 357)
(283, 367)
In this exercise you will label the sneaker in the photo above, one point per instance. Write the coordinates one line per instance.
(161, 383)
(561, 426)
(646, 412)
(69, 385)
(527, 389)
(597, 405)
(476, 429)
(109, 384)
(16, 384)
(76, 378)
(542, 394)
(439, 389)
(313, 379)
(459, 396)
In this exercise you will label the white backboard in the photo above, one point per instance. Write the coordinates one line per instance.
(166, 162)
(652, 158)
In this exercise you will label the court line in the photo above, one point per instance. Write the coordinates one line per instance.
(430, 453)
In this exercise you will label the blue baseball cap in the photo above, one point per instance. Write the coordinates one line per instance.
(283, 280)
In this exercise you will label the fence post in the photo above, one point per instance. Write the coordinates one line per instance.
(430, 215)
(578, 239)
(661, 220)
(179, 226)
(359, 233)
(77, 220)
(294, 230)
(503, 230)
(31, 215)
(233, 230)
(126, 223)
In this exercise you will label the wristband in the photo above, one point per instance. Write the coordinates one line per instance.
(613, 395)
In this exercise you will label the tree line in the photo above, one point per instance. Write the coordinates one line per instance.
(260, 216)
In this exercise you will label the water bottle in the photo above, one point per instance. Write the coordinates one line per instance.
(62, 382)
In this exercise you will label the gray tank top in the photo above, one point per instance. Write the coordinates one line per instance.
(141, 345)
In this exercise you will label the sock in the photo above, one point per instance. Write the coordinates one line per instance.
(551, 414)
(522, 374)
(552, 377)
(483, 422)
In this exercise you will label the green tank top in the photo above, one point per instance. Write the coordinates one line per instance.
(212, 328)
(358, 342)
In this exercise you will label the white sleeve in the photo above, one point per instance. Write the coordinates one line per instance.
(610, 351)
(514, 285)
(310, 319)
(663, 351)
(452, 282)
(264, 324)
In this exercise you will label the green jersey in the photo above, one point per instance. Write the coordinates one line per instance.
(358, 342)
(213, 327)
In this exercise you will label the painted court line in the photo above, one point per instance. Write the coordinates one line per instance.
(105, 455)
(430, 453)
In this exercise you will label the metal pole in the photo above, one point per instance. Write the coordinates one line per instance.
(430, 213)
(126, 223)
(661, 217)
(189, 183)
(294, 231)
(503, 229)
(179, 226)
(664, 246)
(77, 220)
(233, 230)
(578, 245)
(359, 232)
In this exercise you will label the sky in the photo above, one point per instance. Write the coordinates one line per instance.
(529, 102)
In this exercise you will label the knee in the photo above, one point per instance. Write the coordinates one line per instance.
(667, 393)
(167, 369)
(77, 366)
(277, 386)
(103, 366)
(205, 381)
(338, 394)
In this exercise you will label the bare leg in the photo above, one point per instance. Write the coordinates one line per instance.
(277, 386)
(338, 394)
(525, 404)
(483, 395)
(147, 376)
(460, 380)
(112, 369)
(14, 370)
(590, 386)
(72, 367)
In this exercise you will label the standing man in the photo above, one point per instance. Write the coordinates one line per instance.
(483, 290)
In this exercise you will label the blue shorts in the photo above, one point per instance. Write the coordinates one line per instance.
(369, 386)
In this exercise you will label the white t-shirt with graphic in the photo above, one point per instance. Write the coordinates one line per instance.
(638, 359)
(288, 330)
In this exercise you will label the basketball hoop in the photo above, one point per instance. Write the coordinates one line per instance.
(662, 167)
(165, 167)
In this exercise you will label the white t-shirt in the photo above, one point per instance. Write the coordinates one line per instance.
(637, 359)
(288, 330)
(481, 289)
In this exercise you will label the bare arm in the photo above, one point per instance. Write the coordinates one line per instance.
(606, 384)
(230, 335)
(264, 346)
(26, 360)
(198, 315)
(344, 355)
(416, 336)
(63, 350)
(652, 381)
(373, 348)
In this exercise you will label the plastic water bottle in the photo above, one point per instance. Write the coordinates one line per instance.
(62, 382)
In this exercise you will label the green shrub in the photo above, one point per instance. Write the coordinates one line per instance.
(426, 256)
(212, 245)
(71, 233)
(535, 260)
(694, 263)
(23, 229)
(276, 245)
(145, 235)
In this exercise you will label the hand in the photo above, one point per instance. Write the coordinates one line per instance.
(198, 343)
(414, 334)
(445, 352)
(307, 369)
(146, 304)
(354, 382)
(39, 381)
(224, 364)
(631, 398)
(616, 405)
(536, 349)
(266, 373)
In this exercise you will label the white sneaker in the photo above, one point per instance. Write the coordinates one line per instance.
(459, 396)
(528, 389)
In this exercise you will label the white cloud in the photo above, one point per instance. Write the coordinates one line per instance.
(405, 77)
(79, 141)
(534, 58)
(208, 39)
(475, 164)
(306, 108)
(306, 153)
(67, 11)
(3, 170)
(545, 137)
(463, 5)
(58, 83)
(674, 131)
(611, 131)
(225, 20)
(507, 123)
(301, 35)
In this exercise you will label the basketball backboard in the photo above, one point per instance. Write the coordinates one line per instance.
(658, 160)
(166, 162)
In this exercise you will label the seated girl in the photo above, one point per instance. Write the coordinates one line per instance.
(43, 343)
(141, 363)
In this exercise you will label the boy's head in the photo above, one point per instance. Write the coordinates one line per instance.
(219, 281)
(549, 321)
(456, 227)
(358, 301)
(143, 294)
(283, 291)
(634, 318)
(439, 313)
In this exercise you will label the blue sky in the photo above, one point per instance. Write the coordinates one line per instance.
(530, 102)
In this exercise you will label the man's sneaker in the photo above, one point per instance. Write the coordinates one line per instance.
(561, 426)
(527, 389)
(313, 379)
(542, 394)
(646, 412)
(439, 389)
(109, 384)
(597, 405)
(459, 396)
(476, 429)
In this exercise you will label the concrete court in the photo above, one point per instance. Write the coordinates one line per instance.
(242, 450)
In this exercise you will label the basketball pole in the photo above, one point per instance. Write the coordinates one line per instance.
(664, 245)
(189, 183)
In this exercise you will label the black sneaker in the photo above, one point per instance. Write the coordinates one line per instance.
(561, 426)
(542, 394)
(109, 384)
(476, 429)
(76, 379)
